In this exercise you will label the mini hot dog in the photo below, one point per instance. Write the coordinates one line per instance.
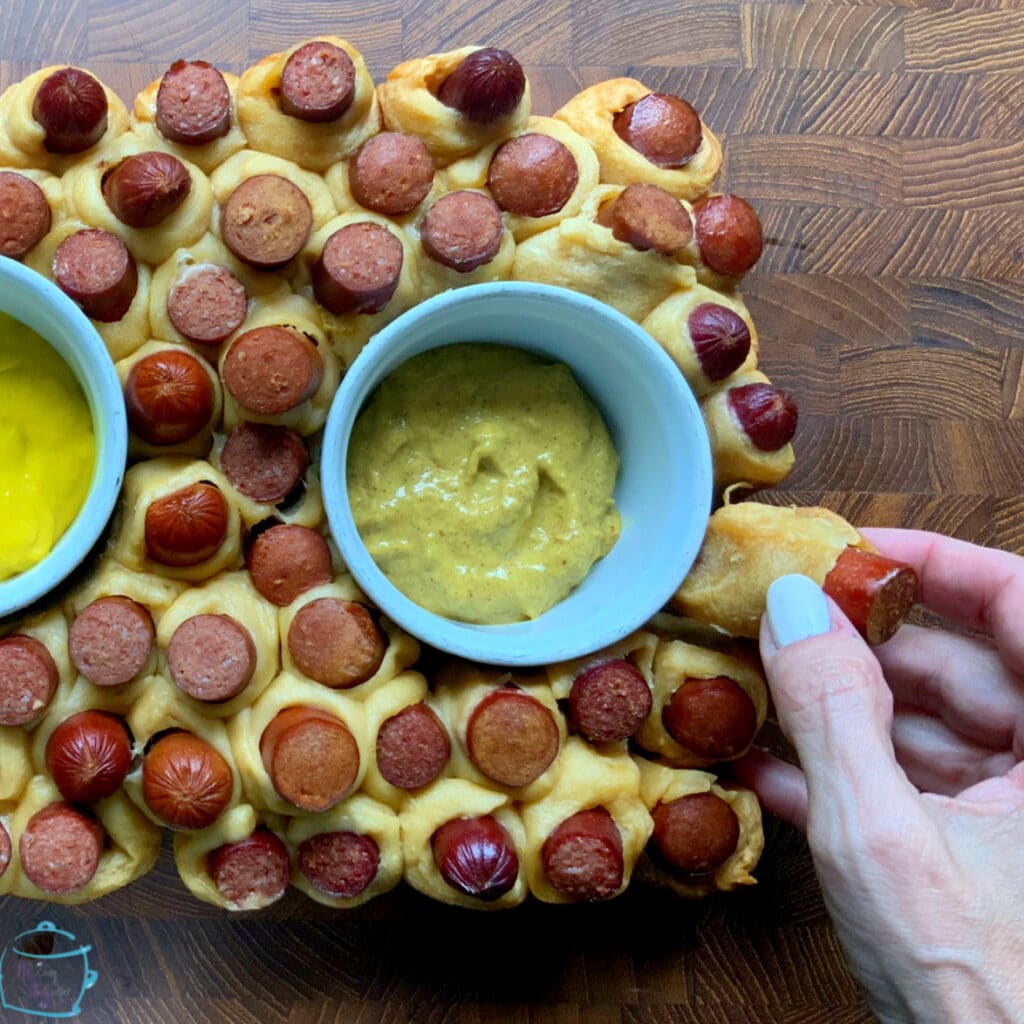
(28, 679)
(532, 175)
(663, 128)
(251, 873)
(169, 396)
(111, 640)
(193, 104)
(728, 234)
(336, 642)
(144, 190)
(609, 701)
(266, 221)
(318, 82)
(358, 270)
(286, 561)
(187, 526)
(582, 857)
(211, 657)
(25, 215)
(413, 747)
(485, 86)
(462, 231)
(264, 461)
(96, 270)
(60, 849)
(186, 783)
(715, 718)
(207, 304)
(476, 856)
(648, 217)
(272, 370)
(342, 865)
(696, 834)
(391, 173)
(71, 107)
(88, 756)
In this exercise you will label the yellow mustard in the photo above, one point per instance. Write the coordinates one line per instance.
(47, 447)
(480, 479)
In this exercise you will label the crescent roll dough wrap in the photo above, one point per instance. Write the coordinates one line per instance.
(315, 146)
(207, 156)
(592, 113)
(587, 779)
(585, 256)
(22, 136)
(234, 595)
(736, 459)
(409, 103)
(472, 171)
(675, 662)
(15, 766)
(423, 813)
(749, 545)
(366, 817)
(285, 691)
(659, 784)
(131, 848)
(668, 324)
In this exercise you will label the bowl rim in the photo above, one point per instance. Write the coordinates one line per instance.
(97, 376)
(491, 644)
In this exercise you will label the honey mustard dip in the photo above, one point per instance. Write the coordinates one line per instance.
(47, 447)
(480, 478)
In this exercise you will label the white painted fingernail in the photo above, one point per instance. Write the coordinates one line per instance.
(796, 610)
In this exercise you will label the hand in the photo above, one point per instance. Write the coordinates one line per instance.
(926, 889)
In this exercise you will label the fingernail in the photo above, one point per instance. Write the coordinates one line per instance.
(796, 610)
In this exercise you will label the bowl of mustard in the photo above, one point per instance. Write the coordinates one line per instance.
(63, 436)
(516, 474)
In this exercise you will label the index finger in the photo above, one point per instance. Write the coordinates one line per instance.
(980, 588)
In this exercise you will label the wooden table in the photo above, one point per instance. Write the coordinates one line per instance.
(882, 145)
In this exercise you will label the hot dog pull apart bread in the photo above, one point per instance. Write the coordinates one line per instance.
(707, 836)
(315, 103)
(645, 137)
(457, 102)
(190, 112)
(52, 117)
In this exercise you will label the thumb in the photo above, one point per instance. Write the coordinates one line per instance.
(832, 701)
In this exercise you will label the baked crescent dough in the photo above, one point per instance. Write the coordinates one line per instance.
(746, 547)
(592, 112)
(15, 766)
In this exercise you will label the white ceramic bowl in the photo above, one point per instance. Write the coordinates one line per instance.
(41, 305)
(663, 492)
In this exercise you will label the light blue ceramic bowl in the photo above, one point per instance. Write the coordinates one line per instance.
(664, 487)
(41, 305)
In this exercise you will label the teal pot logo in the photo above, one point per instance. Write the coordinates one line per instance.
(45, 973)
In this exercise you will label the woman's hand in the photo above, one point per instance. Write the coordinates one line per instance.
(912, 789)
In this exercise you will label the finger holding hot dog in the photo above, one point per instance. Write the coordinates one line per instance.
(707, 836)
(314, 103)
(463, 844)
(584, 837)
(190, 112)
(457, 102)
(640, 136)
(748, 545)
(55, 115)
(348, 855)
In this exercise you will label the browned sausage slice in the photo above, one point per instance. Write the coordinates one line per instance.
(207, 303)
(28, 679)
(766, 415)
(487, 85)
(665, 129)
(111, 640)
(715, 718)
(266, 221)
(144, 190)
(88, 755)
(318, 82)
(647, 217)
(695, 834)
(251, 873)
(311, 757)
(24, 215)
(875, 592)
(186, 783)
(728, 234)
(71, 106)
(193, 104)
(358, 270)
(720, 337)
(392, 173)
(287, 560)
(271, 370)
(95, 268)
(412, 747)
(511, 737)
(462, 230)
(169, 397)
(186, 526)
(476, 856)
(532, 175)
(336, 642)
(5, 849)
(60, 849)
(340, 864)
(609, 701)
(582, 858)
(264, 461)
(211, 657)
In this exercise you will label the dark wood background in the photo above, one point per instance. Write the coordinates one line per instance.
(882, 144)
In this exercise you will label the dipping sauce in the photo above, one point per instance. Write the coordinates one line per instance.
(47, 447)
(480, 479)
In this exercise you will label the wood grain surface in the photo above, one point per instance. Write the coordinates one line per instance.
(882, 144)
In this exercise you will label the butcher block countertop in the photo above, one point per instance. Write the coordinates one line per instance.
(882, 145)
